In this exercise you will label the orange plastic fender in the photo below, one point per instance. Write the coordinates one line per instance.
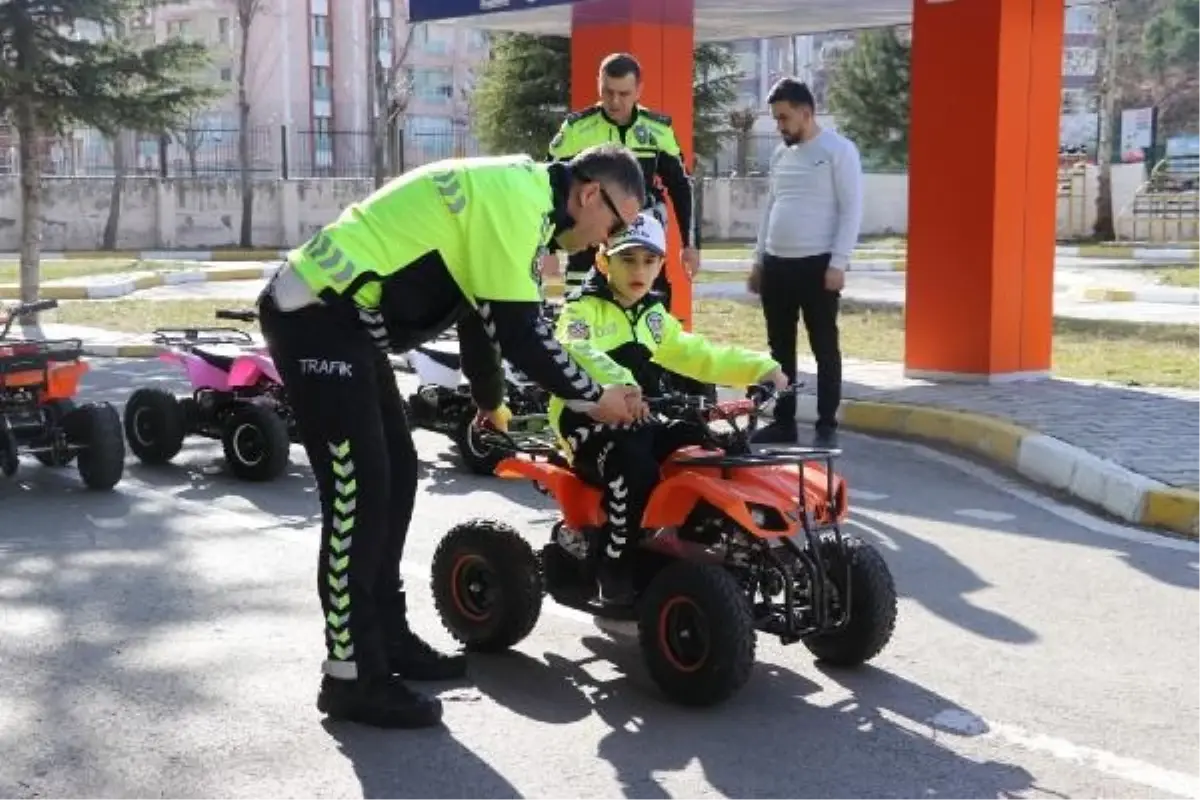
(580, 503)
(63, 383)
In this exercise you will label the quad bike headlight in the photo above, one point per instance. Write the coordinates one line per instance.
(766, 517)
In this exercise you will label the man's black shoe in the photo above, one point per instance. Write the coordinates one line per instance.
(412, 658)
(775, 433)
(825, 437)
(379, 702)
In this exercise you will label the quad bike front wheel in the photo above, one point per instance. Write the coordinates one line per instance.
(487, 585)
(256, 443)
(872, 609)
(478, 457)
(155, 425)
(95, 428)
(696, 633)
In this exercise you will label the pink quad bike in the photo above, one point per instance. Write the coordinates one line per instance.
(237, 397)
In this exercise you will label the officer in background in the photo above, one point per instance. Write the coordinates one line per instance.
(618, 117)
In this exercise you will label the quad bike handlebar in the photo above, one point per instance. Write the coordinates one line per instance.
(12, 313)
(244, 315)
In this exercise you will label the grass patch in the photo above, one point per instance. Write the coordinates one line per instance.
(74, 268)
(1129, 353)
(722, 276)
(1183, 275)
(1149, 355)
(143, 316)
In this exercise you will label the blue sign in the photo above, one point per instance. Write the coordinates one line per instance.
(433, 10)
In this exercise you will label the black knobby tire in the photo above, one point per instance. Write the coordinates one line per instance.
(487, 586)
(872, 609)
(479, 460)
(96, 429)
(256, 443)
(58, 410)
(715, 660)
(155, 425)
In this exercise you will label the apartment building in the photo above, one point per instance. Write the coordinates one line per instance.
(307, 68)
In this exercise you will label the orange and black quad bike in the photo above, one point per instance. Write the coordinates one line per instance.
(39, 379)
(736, 542)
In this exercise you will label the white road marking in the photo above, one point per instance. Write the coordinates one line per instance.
(985, 515)
(863, 494)
(952, 720)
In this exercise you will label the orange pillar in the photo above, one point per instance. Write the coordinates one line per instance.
(986, 88)
(660, 34)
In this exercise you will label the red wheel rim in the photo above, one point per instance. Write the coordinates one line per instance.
(683, 634)
(471, 588)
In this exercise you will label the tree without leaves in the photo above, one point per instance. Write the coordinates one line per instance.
(247, 12)
(53, 79)
(869, 95)
(391, 88)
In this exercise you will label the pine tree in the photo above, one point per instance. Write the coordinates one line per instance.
(869, 96)
(54, 76)
(715, 83)
(522, 94)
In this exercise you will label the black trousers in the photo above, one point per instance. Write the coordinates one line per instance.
(352, 424)
(625, 463)
(793, 289)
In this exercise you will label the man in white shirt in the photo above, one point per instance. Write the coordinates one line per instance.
(808, 232)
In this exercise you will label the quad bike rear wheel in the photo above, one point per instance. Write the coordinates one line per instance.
(487, 585)
(155, 425)
(256, 443)
(872, 609)
(696, 633)
(96, 429)
(479, 458)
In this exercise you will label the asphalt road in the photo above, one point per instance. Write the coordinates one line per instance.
(165, 639)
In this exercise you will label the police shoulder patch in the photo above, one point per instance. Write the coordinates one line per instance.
(578, 330)
(583, 113)
(654, 116)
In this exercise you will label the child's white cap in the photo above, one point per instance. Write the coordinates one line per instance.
(646, 231)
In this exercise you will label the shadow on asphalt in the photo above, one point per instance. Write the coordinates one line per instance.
(415, 764)
(770, 740)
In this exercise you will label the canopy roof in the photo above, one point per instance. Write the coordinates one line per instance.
(715, 20)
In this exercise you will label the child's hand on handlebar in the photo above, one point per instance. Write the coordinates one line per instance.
(777, 378)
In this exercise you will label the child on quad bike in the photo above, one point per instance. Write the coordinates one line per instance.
(620, 332)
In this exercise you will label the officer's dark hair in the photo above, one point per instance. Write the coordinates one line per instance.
(618, 65)
(611, 164)
(790, 90)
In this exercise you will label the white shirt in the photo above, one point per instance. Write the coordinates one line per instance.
(814, 201)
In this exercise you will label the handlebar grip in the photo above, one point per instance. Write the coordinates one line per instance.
(32, 308)
(240, 316)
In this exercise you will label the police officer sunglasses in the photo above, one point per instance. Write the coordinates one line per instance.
(619, 225)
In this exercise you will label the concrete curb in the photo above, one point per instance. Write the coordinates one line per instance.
(1042, 459)
(252, 254)
(102, 290)
(1149, 254)
(1171, 296)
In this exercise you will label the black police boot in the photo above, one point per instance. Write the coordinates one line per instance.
(411, 657)
(383, 702)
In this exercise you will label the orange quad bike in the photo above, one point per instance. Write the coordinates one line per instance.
(39, 379)
(736, 542)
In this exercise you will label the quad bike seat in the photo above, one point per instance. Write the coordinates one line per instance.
(218, 356)
(443, 353)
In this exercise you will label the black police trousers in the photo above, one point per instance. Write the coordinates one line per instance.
(351, 420)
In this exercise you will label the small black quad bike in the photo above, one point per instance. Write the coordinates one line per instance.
(237, 398)
(737, 543)
(39, 379)
(442, 402)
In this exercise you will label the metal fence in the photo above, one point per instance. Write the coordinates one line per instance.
(276, 152)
